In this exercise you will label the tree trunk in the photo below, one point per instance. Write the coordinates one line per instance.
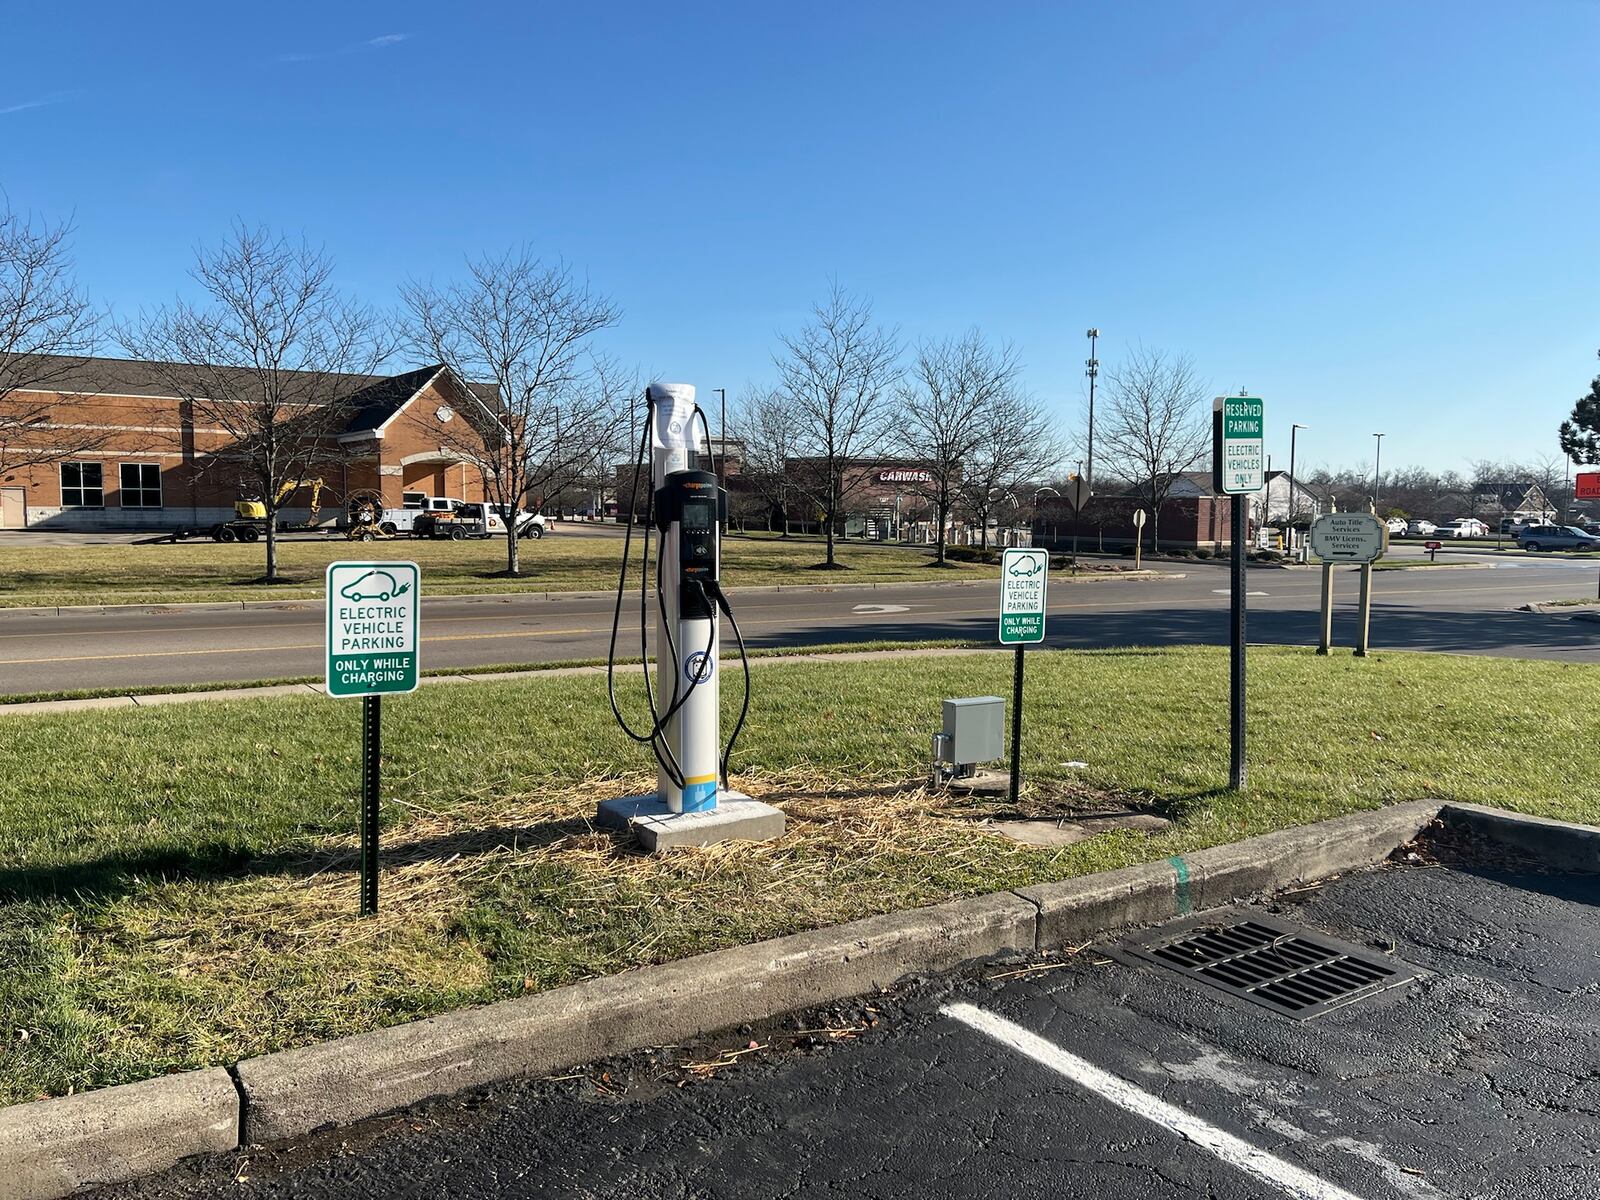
(272, 546)
(944, 515)
(513, 550)
(828, 517)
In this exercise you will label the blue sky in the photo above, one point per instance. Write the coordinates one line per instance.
(1377, 216)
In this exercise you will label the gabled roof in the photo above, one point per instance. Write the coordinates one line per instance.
(374, 400)
(374, 405)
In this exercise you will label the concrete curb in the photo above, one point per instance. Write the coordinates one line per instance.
(53, 1147)
(56, 1147)
(347, 1080)
(1559, 844)
(1076, 909)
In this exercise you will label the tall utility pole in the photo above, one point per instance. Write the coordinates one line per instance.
(1377, 473)
(1293, 429)
(1093, 365)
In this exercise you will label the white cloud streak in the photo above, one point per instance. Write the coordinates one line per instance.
(380, 42)
(37, 102)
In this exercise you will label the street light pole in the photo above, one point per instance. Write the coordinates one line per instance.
(1093, 371)
(1293, 429)
(1377, 473)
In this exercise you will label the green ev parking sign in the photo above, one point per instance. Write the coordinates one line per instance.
(1238, 445)
(1023, 575)
(372, 628)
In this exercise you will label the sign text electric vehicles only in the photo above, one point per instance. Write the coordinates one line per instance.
(1023, 581)
(372, 623)
(1238, 445)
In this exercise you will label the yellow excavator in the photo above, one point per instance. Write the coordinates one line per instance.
(250, 514)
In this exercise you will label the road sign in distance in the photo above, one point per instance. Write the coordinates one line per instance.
(1238, 445)
(1349, 537)
(1586, 485)
(1138, 518)
(1078, 492)
(372, 627)
(1023, 579)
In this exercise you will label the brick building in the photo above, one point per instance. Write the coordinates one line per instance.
(148, 462)
(1191, 522)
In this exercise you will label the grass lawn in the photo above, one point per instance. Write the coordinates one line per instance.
(169, 573)
(177, 884)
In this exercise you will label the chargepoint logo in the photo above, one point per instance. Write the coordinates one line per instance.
(697, 667)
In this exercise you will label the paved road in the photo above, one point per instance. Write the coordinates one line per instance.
(1456, 610)
(1097, 1078)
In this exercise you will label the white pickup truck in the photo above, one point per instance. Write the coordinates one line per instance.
(459, 520)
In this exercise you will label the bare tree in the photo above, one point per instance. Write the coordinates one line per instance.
(271, 355)
(770, 428)
(956, 393)
(838, 373)
(1155, 426)
(543, 407)
(46, 328)
(1016, 445)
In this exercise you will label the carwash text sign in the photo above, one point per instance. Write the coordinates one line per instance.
(1238, 446)
(1023, 576)
(372, 627)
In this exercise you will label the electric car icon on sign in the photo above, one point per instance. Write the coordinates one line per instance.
(375, 585)
(1024, 567)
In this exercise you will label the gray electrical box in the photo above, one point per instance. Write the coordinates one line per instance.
(976, 729)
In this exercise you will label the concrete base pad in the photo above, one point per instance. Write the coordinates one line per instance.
(736, 817)
(982, 782)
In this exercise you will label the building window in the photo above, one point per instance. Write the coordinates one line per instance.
(82, 485)
(141, 485)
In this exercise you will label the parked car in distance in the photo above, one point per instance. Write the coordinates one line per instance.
(529, 525)
(1556, 537)
(1463, 527)
(1397, 526)
(1421, 528)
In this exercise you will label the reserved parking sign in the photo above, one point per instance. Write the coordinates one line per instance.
(373, 610)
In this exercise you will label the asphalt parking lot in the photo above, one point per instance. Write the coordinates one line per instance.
(1085, 1075)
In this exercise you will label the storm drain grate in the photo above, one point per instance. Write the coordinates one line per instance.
(1294, 971)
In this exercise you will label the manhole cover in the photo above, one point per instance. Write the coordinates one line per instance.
(1298, 972)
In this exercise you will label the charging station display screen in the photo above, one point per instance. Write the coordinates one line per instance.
(699, 516)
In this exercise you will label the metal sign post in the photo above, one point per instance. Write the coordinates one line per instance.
(1138, 536)
(372, 618)
(1078, 494)
(1238, 470)
(1024, 580)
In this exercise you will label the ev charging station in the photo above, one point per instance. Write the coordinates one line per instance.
(685, 508)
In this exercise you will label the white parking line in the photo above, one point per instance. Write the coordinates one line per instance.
(1236, 1152)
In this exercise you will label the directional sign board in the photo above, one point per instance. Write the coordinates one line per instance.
(1586, 485)
(1023, 577)
(1356, 537)
(1238, 445)
(372, 627)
